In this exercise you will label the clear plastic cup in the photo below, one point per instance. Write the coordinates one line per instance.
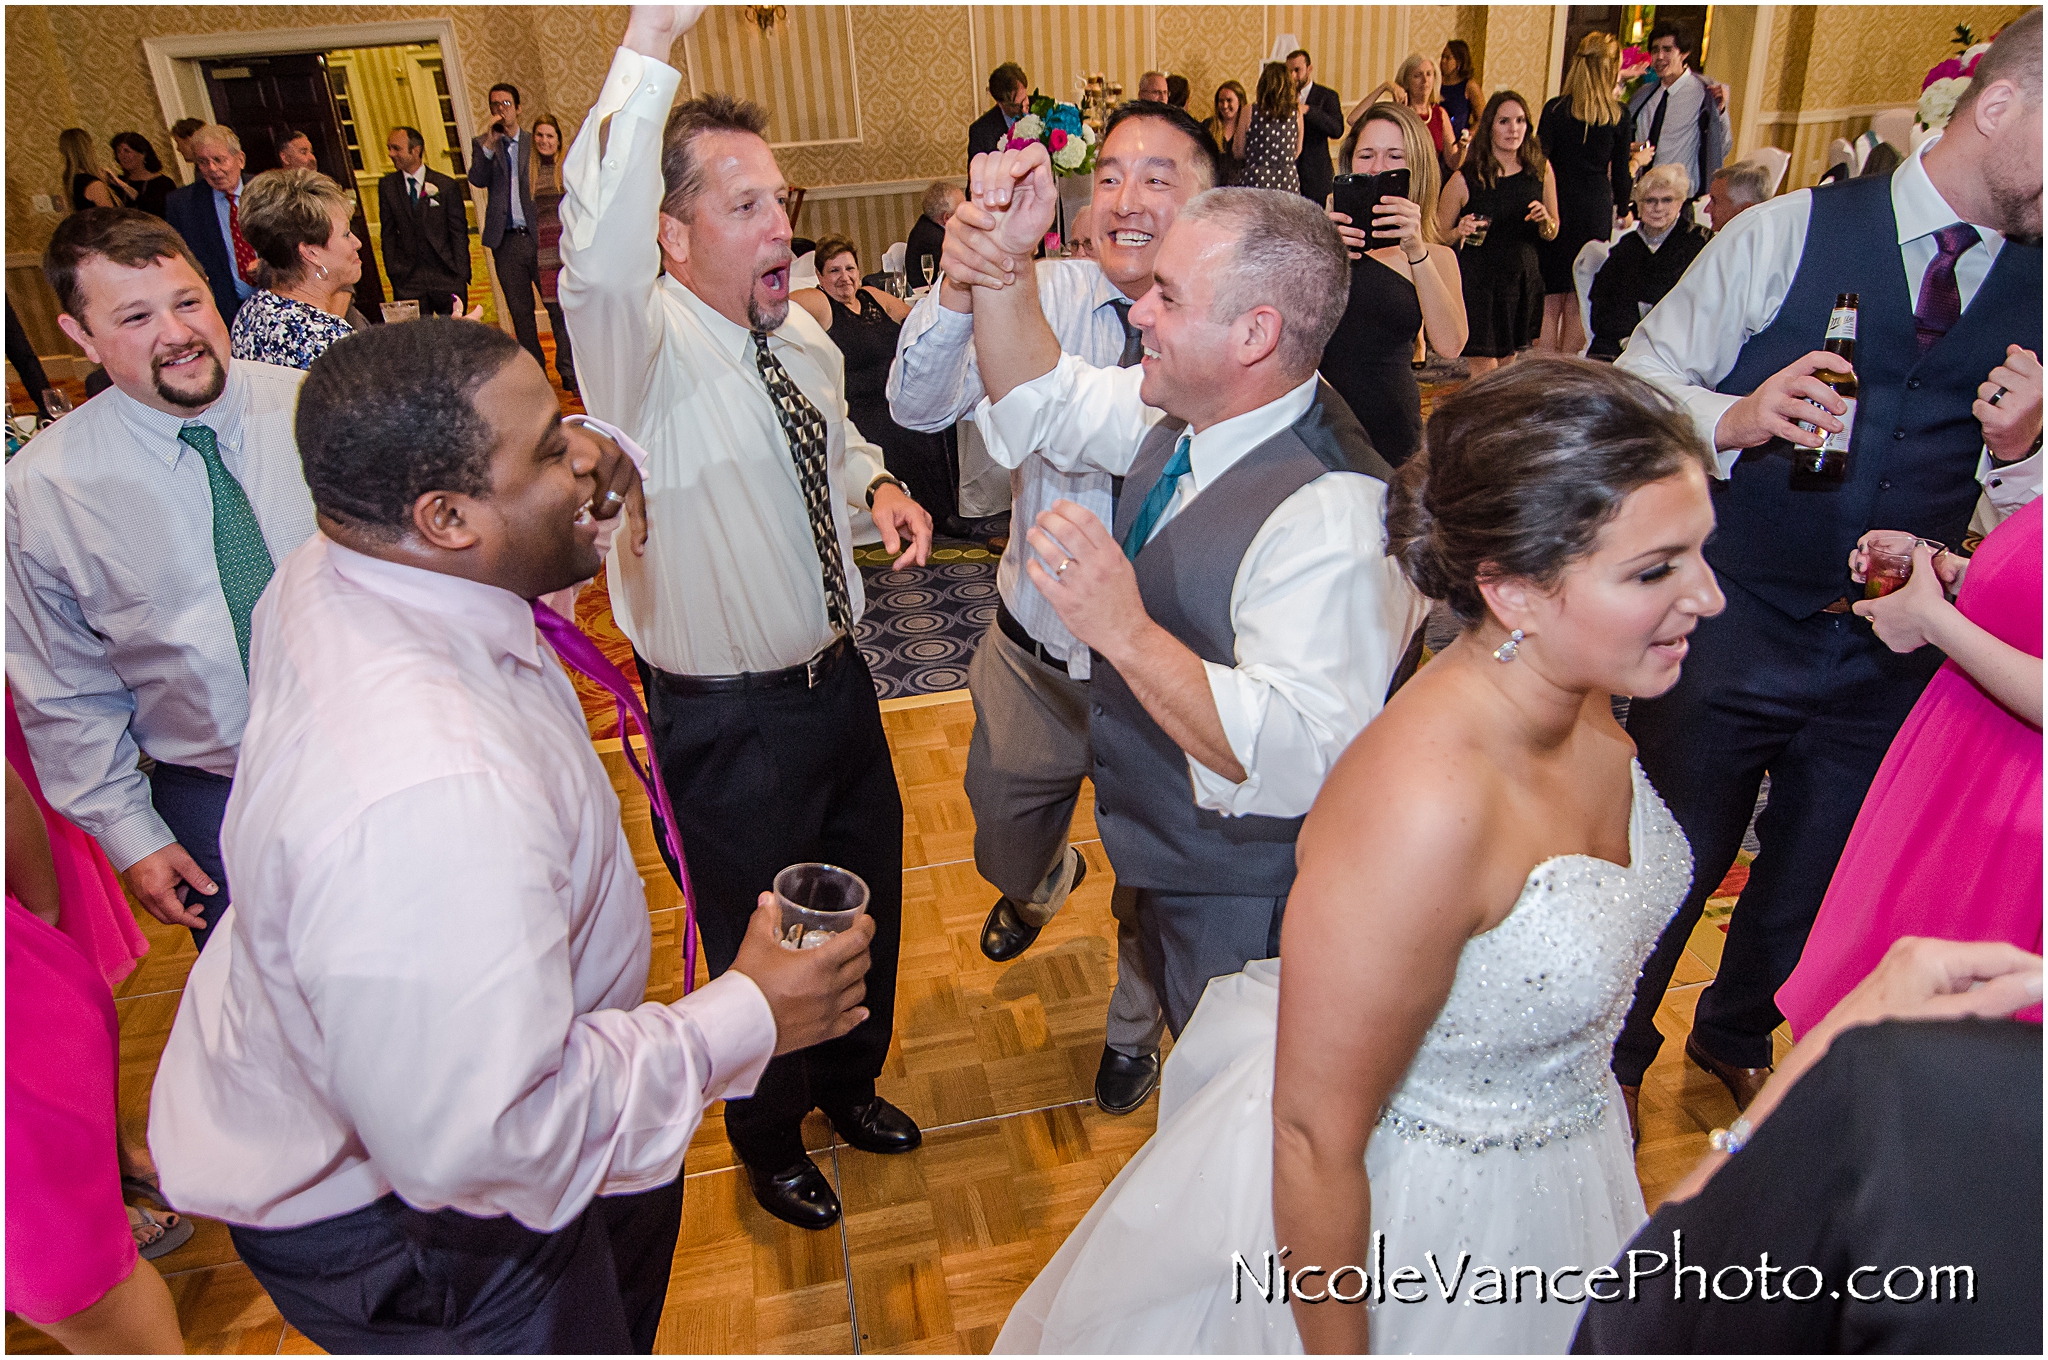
(408, 310)
(818, 901)
(1478, 235)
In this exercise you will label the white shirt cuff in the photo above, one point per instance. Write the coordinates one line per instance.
(1706, 409)
(2008, 486)
(737, 1027)
(135, 837)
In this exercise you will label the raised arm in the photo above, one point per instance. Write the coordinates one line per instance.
(1013, 343)
(611, 203)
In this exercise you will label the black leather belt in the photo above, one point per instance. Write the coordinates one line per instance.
(809, 675)
(511, 230)
(1017, 633)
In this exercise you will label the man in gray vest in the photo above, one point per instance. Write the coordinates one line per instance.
(1244, 619)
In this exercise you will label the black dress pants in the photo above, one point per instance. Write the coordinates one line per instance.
(389, 1279)
(193, 803)
(518, 259)
(1815, 702)
(762, 779)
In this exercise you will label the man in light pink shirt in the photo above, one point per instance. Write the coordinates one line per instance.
(421, 1083)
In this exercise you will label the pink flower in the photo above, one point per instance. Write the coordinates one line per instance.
(1949, 67)
(1059, 139)
(1052, 240)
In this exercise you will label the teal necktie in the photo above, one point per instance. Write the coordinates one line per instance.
(1158, 498)
(239, 552)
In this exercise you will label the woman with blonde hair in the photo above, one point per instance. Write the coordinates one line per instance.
(1502, 201)
(545, 171)
(1403, 280)
(308, 264)
(1228, 116)
(92, 183)
(1268, 137)
(1414, 87)
(1585, 133)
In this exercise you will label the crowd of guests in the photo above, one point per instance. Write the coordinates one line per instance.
(306, 565)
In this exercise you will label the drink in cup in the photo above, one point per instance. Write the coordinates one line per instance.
(1478, 236)
(818, 901)
(408, 310)
(1888, 561)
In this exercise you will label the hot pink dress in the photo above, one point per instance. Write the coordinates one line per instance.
(96, 915)
(1948, 844)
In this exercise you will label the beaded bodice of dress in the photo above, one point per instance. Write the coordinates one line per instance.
(1519, 1054)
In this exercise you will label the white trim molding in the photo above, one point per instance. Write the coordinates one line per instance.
(1808, 117)
(876, 188)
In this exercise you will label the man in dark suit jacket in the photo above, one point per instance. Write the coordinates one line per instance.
(206, 213)
(1008, 86)
(498, 162)
(928, 233)
(426, 233)
(1322, 118)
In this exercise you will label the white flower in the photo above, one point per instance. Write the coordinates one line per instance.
(1070, 156)
(1087, 134)
(1030, 127)
(1938, 101)
(431, 189)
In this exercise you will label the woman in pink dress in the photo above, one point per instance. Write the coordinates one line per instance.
(1948, 844)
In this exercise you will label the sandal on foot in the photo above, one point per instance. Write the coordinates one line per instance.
(139, 1188)
(156, 1237)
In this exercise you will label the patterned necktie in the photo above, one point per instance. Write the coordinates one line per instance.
(1158, 498)
(805, 429)
(576, 651)
(239, 552)
(245, 254)
(1134, 339)
(1941, 302)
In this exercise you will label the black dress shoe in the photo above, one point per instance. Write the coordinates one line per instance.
(952, 526)
(1743, 1083)
(798, 1194)
(877, 1126)
(1005, 934)
(1123, 1082)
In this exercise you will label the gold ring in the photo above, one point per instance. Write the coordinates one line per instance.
(1061, 569)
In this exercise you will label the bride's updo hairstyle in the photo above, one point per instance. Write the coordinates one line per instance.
(1520, 469)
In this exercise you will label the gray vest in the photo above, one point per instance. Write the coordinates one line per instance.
(1144, 807)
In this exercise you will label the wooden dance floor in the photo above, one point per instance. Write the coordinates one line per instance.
(996, 1062)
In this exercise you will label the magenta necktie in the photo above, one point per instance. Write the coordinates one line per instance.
(1941, 302)
(580, 654)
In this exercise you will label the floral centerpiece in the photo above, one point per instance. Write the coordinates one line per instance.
(1946, 82)
(1069, 140)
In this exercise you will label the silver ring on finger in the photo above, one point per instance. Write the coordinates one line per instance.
(1996, 397)
(1061, 569)
(613, 497)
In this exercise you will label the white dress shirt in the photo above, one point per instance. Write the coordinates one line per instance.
(512, 201)
(432, 977)
(935, 382)
(1690, 341)
(730, 581)
(1322, 614)
(119, 641)
(1680, 144)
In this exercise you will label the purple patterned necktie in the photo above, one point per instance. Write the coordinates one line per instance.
(580, 654)
(1941, 302)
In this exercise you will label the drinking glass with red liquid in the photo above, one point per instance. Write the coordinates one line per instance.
(1888, 560)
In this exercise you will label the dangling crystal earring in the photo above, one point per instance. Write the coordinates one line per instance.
(1506, 651)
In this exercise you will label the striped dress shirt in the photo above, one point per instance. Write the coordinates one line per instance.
(119, 642)
(934, 382)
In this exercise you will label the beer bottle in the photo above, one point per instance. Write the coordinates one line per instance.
(1828, 461)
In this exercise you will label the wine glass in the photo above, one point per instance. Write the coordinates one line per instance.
(925, 263)
(56, 402)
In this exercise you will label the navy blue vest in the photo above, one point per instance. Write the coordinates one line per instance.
(1913, 456)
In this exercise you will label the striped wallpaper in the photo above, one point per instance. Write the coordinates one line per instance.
(1057, 44)
(1354, 47)
(804, 74)
(872, 222)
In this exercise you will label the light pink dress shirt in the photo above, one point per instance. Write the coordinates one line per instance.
(431, 979)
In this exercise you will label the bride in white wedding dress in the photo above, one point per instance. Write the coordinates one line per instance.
(1412, 1107)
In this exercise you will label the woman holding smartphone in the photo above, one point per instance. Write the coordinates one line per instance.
(1403, 280)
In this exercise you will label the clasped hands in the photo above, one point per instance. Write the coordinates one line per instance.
(1010, 206)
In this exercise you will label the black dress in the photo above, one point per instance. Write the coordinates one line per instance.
(868, 340)
(1590, 161)
(1636, 276)
(1368, 358)
(1503, 282)
(79, 202)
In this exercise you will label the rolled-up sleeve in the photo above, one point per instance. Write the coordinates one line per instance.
(74, 708)
(1077, 417)
(1690, 341)
(1322, 617)
(537, 1108)
(611, 260)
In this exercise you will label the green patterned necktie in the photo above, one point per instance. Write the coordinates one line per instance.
(239, 551)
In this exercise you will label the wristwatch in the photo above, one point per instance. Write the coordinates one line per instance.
(889, 479)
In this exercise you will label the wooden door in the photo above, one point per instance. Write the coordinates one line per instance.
(266, 99)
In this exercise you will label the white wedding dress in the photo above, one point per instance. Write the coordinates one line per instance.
(1506, 1142)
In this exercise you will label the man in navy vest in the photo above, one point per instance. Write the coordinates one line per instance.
(1945, 257)
(1243, 617)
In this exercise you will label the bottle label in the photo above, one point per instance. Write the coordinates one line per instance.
(1842, 324)
(1839, 442)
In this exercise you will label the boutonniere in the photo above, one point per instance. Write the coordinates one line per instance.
(431, 190)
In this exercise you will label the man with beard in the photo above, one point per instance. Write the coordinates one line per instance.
(1944, 258)
(743, 607)
(1029, 677)
(424, 1086)
(140, 531)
